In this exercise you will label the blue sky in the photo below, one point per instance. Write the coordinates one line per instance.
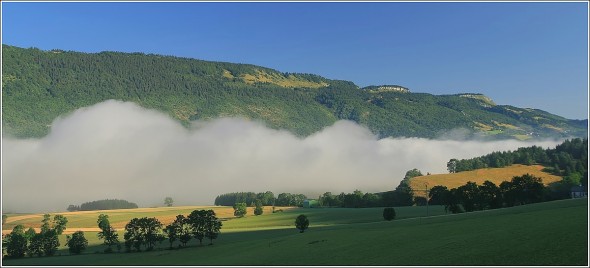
(523, 54)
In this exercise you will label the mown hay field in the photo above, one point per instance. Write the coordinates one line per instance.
(86, 220)
(495, 175)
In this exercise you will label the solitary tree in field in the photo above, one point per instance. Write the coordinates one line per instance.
(258, 210)
(301, 223)
(77, 242)
(4, 217)
(240, 209)
(389, 214)
(168, 201)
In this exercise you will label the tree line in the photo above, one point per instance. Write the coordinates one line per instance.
(140, 233)
(568, 159)
(105, 204)
(521, 190)
(45, 243)
(266, 199)
(401, 196)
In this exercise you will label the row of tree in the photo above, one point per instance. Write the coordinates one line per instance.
(45, 243)
(520, 190)
(403, 195)
(146, 232)
(240, 209)
(105, 204)
(139, 233)
(265, 198)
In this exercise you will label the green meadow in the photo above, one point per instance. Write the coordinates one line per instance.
(551, 233)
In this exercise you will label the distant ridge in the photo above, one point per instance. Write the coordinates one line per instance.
(38, 86)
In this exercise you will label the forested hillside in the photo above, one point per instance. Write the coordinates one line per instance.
(569, 159)
(38, 86)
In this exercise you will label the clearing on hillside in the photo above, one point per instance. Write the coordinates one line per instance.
(495, 175)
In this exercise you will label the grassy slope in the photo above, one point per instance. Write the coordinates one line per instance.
(495, 175)
(552, 233)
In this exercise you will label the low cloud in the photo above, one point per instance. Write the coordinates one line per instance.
(119, 150)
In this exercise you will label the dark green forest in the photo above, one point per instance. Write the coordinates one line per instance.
(568, 159)
(266, 199)
(38, 86)
(104, 204)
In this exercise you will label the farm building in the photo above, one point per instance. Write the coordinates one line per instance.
(579, 191)
(310, 203)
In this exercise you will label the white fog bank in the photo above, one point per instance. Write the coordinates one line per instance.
(119, 150)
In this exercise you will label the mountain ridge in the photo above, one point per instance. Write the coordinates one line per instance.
(38, 86)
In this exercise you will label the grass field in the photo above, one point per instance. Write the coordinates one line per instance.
(495, 175)
(86, 220)
(551, 233)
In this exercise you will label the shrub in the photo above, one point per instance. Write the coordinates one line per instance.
(389, 214)
(301, 223)
(259, 209)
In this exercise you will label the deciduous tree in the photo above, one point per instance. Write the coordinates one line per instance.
(168, 201)
(107, 232)
(301, 223)
(50, 242)
(197, 219)
(16, 243)
(240, 209)
(77, 242)
(259, 209)
(143, 231)
(437, 195)
(212, 226)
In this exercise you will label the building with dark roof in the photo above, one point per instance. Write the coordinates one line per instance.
(579, 191)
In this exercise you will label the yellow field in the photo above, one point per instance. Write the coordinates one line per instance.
(86, 220)
(495, 175)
